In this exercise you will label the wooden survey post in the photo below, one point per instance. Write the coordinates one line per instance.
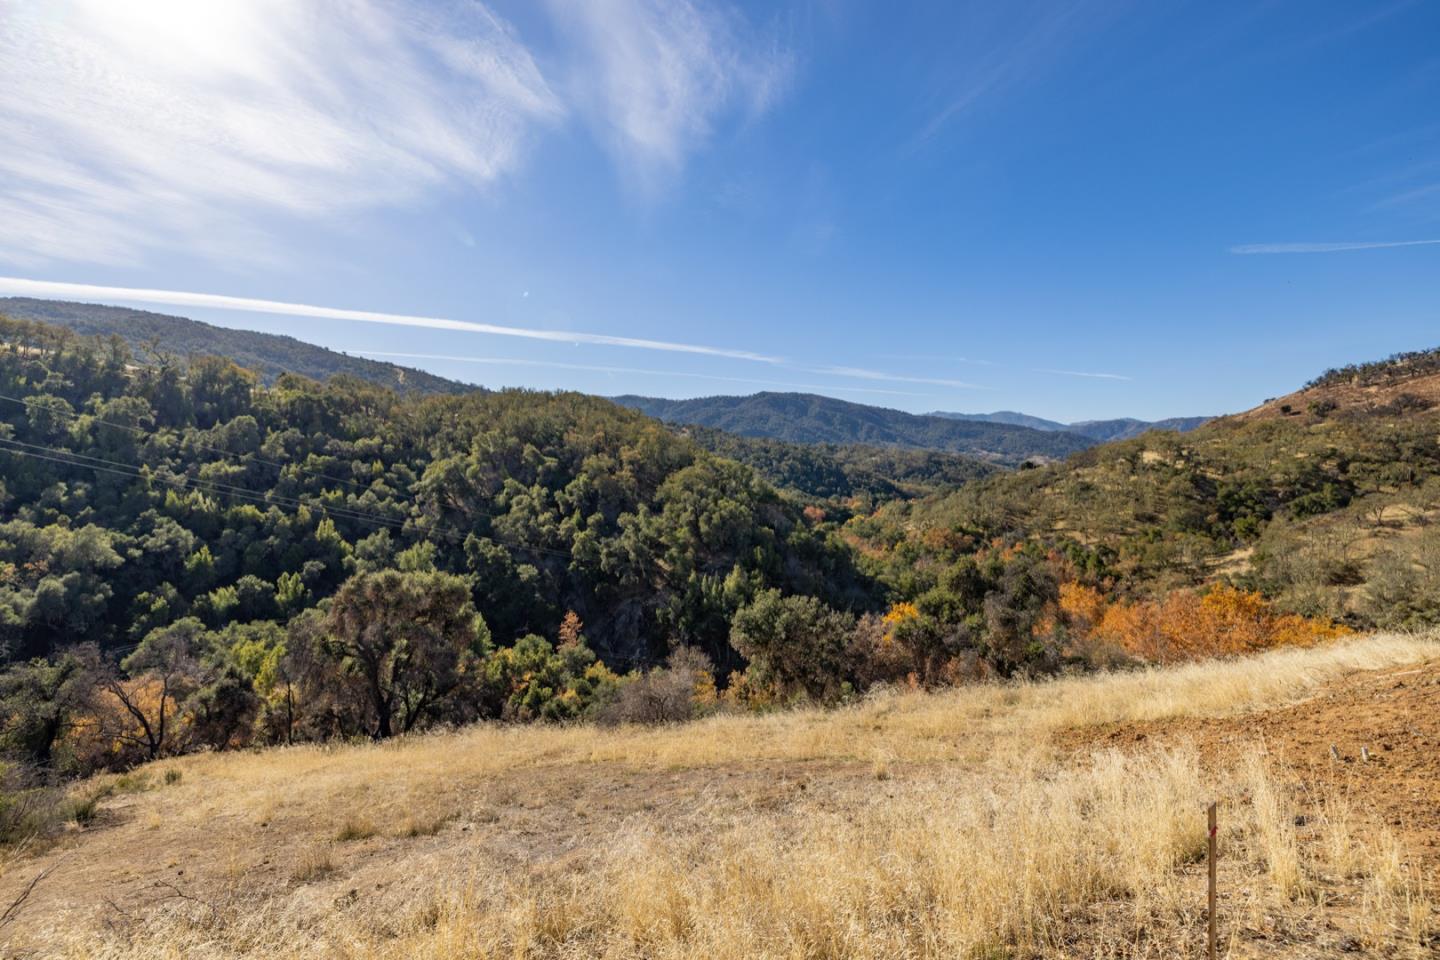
(1212, 831)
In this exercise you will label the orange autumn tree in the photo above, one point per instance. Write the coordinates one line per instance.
(1082, 606)
(1185, 625)
(122, 724)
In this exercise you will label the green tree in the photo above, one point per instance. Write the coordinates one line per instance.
(38, 699)
(409, 639)
(795, 643)
(1014, 611)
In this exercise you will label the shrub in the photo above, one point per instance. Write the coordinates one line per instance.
(874, 655)
(313, 864)
(81, 806)
(28, 807)
(674, 693)
(423, 826)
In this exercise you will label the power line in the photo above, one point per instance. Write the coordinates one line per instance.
(266, 498)
(128, 470)
(29, 402)
(344, 513)
(57, 455)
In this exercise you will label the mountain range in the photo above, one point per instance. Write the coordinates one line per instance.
(810, 418)
(1101, 431)
(1004, 438)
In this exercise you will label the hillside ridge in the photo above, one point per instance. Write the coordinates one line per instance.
(811, 418)
(1103, 431)
(269, 354)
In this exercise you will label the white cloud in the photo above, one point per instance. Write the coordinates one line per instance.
(172, 123)
(655, 75)
(1002, 47)
(178, 124)
(1253, 248)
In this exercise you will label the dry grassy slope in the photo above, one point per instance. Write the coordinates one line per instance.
(1384, 726)
(1057, 819)
(1352, 397)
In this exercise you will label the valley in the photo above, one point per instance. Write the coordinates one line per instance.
(670, 675)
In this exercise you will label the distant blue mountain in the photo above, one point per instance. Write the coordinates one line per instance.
(809, 418)
(1101, 431)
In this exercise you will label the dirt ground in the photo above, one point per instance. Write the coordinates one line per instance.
(1373, 739)
(543, 821)
(1393, 716)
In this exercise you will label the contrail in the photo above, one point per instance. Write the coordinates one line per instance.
(99, 293)
(561, 365)
(859, 373)
(1252, 248)
(1082, 373)
(87, 291)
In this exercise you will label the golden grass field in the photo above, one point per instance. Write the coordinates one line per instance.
(1054, 819)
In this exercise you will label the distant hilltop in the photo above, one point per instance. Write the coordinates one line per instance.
(1101, 431)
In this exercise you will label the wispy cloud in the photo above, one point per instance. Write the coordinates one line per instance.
(861, 373)
(130, 126)
(1004, 47)
(1428, 192)
(932, 358)
(92, 292)
(204, 127)
(1002, 366)
(1083, 373)
(1255, 248)
(655, 76)
(632, 371)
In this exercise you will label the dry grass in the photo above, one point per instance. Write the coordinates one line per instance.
(355, 828)
(947, 825)
(967, 724)
(313, 864)
(423, 826)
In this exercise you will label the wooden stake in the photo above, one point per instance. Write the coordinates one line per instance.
(1212, 880)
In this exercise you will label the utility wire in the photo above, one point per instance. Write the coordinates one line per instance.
(344, 512)
(220, 486)
(244, 458)
(56, 455)
(29, 402)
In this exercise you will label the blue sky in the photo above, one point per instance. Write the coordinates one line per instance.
(1079, 210)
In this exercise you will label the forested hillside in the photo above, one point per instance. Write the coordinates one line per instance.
(849, 477)
(1325, 501)
(190, 558)
(161, 511)
(1104, 431)
(808, 418)
(136, 497)
(268, 354)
